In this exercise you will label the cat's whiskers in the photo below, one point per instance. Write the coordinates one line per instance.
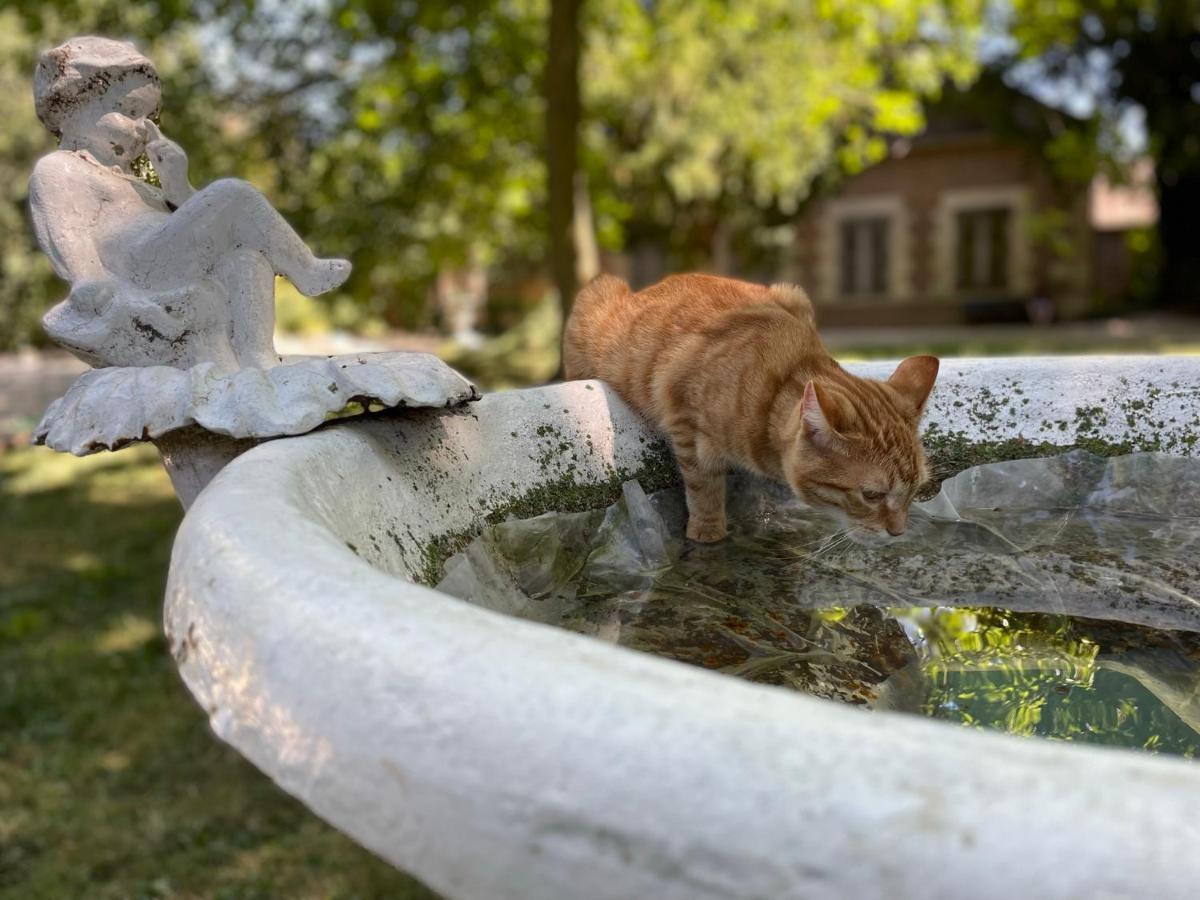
(830, 542)
(821, 539)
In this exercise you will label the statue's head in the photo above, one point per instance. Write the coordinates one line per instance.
(96, 94)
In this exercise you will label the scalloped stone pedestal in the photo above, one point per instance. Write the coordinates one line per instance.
(202, 418)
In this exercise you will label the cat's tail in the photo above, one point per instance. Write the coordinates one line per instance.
(594, 326)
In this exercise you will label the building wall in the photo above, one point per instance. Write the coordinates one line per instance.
(921, 191)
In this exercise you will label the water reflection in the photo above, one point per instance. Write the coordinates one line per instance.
(1046, 597)
(1064, 677)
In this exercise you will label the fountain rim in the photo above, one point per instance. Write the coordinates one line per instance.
(498, 757)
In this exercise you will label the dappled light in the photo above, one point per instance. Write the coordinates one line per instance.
(386, 281)
(114, 785)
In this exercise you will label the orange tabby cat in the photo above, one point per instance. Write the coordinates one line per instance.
(735, 373)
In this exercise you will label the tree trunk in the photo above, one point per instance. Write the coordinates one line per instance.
(1178, 202)
(562, 134)
(722, 248)
(587, 250)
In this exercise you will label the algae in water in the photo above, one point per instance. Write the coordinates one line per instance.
(1051, 596)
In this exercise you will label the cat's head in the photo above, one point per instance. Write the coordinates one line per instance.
(857, 449)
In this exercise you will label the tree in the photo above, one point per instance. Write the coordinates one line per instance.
(415, 137)
(695, 117)
(706, 114)
(428, 156)
(563, 111)
(1143, 52)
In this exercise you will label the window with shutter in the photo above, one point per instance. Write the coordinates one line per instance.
(981, 252)
(864, 256)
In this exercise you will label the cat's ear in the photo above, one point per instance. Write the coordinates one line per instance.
(914, 379)
(820, 419)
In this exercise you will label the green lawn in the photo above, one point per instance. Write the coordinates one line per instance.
(111, 784)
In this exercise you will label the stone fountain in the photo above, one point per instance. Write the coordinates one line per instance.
(492, 756)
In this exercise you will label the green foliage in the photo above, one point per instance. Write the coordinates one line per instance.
(1054, 230)
(699, 112)
(112, 784)
(757, 99)
(1145, 255)
(409, 137)
(1141, 52)
(436, 156)
(26, 286)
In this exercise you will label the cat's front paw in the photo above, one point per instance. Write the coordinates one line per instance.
(705, 532)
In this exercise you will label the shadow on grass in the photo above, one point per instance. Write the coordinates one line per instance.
(111, 783)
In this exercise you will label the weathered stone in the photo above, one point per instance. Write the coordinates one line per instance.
(172, 289)
(109, 408)
(501, 758)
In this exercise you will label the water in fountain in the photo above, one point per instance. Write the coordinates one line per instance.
(1053, 597)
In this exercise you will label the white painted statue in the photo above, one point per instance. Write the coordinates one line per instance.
(159, 276)
(173, 290)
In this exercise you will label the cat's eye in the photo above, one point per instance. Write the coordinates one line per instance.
(873, 496)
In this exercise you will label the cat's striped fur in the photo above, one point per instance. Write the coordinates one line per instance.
(736, 374)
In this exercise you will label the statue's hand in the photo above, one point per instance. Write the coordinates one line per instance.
(170, 162)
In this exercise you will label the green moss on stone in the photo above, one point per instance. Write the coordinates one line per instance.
(950, 454)
(563, 494)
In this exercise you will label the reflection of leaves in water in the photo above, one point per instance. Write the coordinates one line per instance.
(1064, 677)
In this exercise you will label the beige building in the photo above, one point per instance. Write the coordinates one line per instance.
(966, 223)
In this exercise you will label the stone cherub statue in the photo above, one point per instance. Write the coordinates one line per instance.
(159, 276)
(173, 290)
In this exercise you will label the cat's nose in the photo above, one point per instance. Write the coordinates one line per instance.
(895, 521)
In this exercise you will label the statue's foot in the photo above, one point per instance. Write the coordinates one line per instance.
(324, 275)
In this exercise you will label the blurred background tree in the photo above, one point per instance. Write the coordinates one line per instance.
(411, 137)
(707, 122)
(1142, 54)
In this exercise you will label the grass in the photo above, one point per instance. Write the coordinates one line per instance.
(111, 783)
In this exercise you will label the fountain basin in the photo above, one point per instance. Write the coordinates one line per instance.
(496, 757)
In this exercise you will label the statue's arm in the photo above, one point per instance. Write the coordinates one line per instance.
(171, 164)
(59, 203)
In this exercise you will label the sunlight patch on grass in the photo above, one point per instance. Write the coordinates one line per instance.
(132, 473)
(114, 761)
(80, 561)
(129, 633)
(112, 784)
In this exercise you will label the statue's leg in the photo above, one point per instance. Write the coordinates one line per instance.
(250, 283)
(228, 216)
